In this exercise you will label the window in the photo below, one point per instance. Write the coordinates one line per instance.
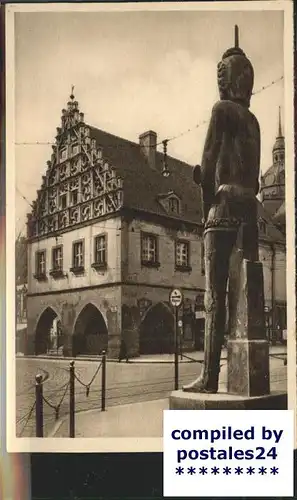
(63, 154)
(182, 254)
(40, 270)
(100, 251)
(78, 255)
(74, 197)
(173, 204)
(75, 149)
(202, 258)
(149, 249)
(57, 258)
(63, 201)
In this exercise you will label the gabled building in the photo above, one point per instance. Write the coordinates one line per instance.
(115, 226)
(108, 237)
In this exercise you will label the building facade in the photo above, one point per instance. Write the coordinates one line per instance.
(109, 236)
(272, 188)
(272, 195)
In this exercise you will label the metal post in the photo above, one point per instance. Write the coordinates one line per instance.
(176, 348)
(72, 401)
(103, 381)
(39, 405)
(180, 342)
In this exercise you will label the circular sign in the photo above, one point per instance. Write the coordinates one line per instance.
(176, 297)
(180, 323)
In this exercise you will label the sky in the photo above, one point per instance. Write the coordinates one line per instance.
(132, 72)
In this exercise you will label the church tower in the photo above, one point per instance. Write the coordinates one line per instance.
(272, 189)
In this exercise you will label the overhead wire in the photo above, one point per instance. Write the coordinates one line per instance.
(203, 122)
(177, 136)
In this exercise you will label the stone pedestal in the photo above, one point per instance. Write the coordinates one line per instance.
(248, 367)
(180, 400)
(248, 349)
(248, 385)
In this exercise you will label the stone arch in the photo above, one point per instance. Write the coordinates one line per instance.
(47, 321)
(156, 333)
(90, 334)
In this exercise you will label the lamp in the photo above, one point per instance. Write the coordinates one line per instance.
(165, 170)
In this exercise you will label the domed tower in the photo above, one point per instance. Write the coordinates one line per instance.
(273, 181)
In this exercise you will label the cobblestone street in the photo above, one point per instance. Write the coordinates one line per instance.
(126, 383)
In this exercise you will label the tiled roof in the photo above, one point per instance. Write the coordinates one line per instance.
(280, 216)
(273, 234)
(276, 170)
(143, 184)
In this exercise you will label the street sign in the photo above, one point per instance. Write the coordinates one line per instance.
(176, 297)
(180, 323)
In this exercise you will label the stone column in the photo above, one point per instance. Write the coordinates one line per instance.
(67, 324)
(113, 316)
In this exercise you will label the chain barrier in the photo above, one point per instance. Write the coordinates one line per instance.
(69, 387)
(128, 391)
(27, 418)
(58, 406)
(88, 386)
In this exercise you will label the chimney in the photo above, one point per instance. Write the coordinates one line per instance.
(148, 145)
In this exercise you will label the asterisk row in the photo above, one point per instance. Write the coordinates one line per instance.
(227, 470)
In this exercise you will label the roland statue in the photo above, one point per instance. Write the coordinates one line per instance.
(228, 177)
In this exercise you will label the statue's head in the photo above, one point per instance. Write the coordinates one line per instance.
(235, 75)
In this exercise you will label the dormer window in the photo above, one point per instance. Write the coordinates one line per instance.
(170, 202)
(173, 206)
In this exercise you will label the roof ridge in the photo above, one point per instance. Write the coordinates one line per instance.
(113, 135)
(133, 143)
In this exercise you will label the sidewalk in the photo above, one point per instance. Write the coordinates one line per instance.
(187, 357)
(144, 419)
